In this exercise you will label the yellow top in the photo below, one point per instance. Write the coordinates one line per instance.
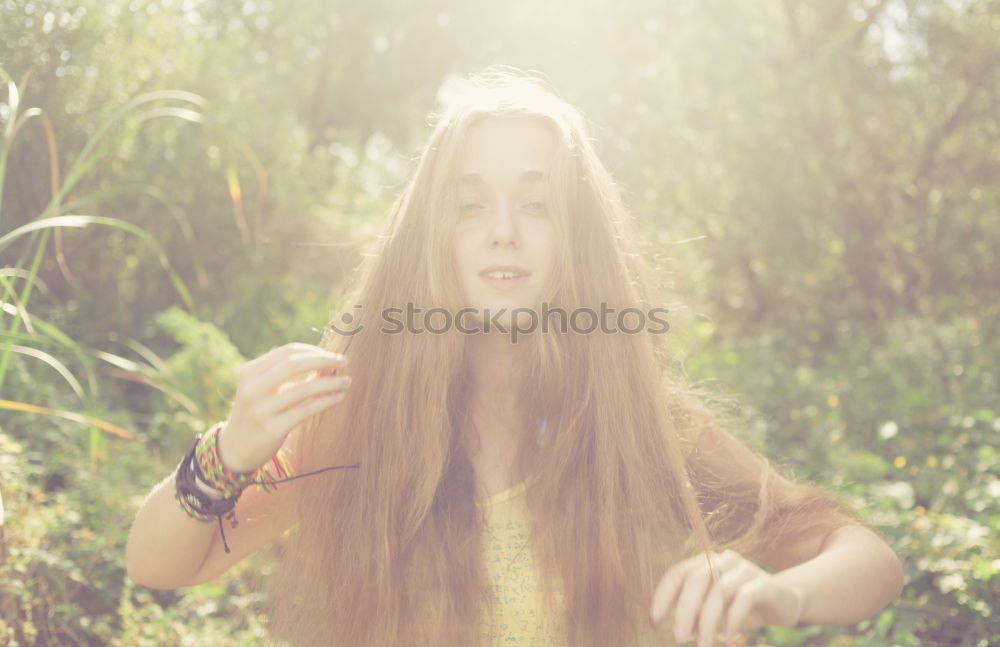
(510, 567)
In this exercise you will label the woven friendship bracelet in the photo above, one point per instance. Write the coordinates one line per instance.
(282, 470)
(210, 467)
(201, 469)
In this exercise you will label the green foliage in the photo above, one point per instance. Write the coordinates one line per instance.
(63, 581)
(899, 420)
(831, 164)
(68, 512)
(205, 367)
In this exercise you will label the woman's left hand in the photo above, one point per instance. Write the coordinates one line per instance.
(743, 597)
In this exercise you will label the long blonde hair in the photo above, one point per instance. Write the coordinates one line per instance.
(395, 546)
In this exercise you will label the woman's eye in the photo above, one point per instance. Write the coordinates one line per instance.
(469, 208)
(535, 205)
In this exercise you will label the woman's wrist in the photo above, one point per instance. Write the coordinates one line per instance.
(800, 598)
(190, 490)
(213, 471)
(209, 491)
(796, 597)
(229, 457)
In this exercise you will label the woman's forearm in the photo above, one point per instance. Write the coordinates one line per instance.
(855, 575)
(165, 547)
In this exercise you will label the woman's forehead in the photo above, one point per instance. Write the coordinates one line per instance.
(476, 180)
(514, 150)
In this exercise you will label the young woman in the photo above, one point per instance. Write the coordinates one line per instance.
(519, 476)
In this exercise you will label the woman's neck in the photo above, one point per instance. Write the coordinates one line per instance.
(494, 393)
(492, 361)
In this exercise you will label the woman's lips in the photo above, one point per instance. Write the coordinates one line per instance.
(506, 284)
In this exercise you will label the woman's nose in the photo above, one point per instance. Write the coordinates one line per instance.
(503, 227)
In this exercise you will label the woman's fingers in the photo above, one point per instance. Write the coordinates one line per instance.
(765, 601)
(264, 412)
(701, 601)
(294, 366)
(297, 415)
(673, 582)
(740, 596)
(277, 403)
(668, 588)
(741, 609)
(691, 597)
(697, 586)
(714, 610)
(279, 354)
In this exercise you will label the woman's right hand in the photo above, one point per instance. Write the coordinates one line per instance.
(266, 409)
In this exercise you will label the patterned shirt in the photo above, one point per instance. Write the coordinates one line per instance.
(510, 565)
(515, 579)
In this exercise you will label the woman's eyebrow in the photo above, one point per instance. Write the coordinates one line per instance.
(475, 179)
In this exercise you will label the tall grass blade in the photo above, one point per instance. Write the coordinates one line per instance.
(20, 273)
(13, 102)
(147, 354)
(98, 144)
(55, 335)
(54, 363)
(25, 296)
(19, 309)
(156, 194)
(103, 425)
(83, 221)
(135, 372)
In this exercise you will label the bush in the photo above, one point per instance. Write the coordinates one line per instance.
(902, 421)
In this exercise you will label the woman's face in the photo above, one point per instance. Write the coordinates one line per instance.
(503, 217)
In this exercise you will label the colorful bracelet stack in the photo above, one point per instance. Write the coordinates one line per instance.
(191, 496)
(282, 470)
(210, 467)
(205, 489)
